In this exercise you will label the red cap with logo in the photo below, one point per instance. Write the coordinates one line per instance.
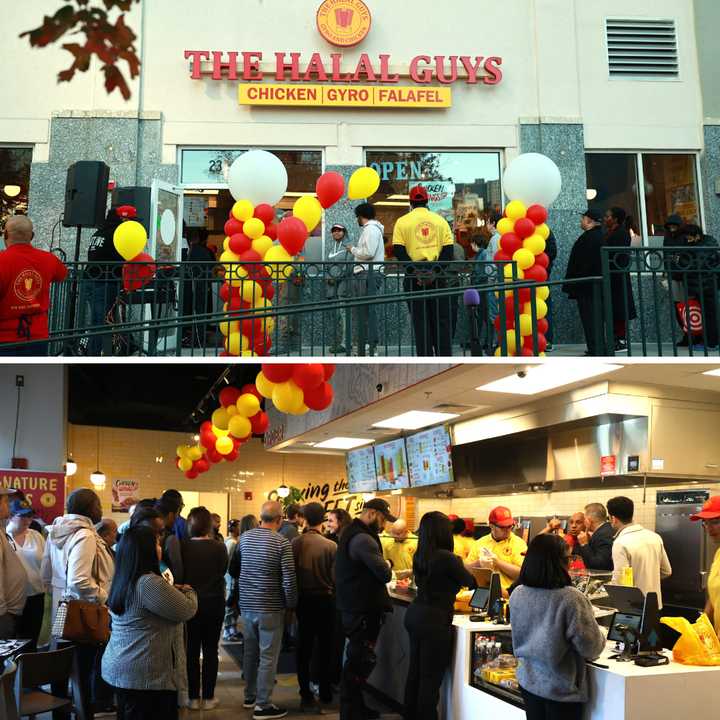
(710, 511)
(418, 193)
(501, 516)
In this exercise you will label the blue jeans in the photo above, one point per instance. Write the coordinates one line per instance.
(262, 640)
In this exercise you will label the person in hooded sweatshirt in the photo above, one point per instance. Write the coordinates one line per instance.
(77, 564)
(368, 253)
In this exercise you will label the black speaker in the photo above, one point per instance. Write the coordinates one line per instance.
(86, 194)
(139, 198)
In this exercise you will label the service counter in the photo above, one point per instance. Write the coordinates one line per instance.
(618, 691)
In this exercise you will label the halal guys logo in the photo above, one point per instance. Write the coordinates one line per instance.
(344, 23)
(27, 285)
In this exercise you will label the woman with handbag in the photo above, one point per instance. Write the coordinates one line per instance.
(139, 661)
(80, 569)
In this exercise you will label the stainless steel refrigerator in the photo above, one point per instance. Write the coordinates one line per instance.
(689, 551)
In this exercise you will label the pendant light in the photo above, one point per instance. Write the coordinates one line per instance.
(283, 491)
(70, 467)
(97, 478)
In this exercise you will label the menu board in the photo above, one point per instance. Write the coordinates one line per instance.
(361, 475)
(428, 455)
(391, 465)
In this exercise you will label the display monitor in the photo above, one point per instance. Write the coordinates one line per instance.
(361, 474)
(391, 465)
(623, 620)
(429, 460)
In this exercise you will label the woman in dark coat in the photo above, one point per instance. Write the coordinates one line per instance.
(621, 293)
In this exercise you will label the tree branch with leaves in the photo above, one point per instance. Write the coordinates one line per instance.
(111, 42)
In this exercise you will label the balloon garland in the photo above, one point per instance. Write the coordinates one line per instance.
(523, 235)
(258, 181)
(293, 388)
(129, 240)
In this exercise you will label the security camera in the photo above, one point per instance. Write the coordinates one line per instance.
(379, 387)
(522, 374)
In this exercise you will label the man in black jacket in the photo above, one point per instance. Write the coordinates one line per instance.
(595, 545)
(361, 574)
(585, 261)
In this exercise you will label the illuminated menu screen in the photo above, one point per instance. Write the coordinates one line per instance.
(429, 461)
(361, 470)
(391, 465)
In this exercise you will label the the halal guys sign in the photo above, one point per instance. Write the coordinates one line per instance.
(291, 78)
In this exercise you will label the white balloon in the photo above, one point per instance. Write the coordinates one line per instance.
(258, 176)
(533, 179)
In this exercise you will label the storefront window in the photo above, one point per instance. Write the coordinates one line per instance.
(14, 181)
(612, 181)
(464, 187)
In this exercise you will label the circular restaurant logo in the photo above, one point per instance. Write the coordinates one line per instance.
(344, 22)
(27, 285)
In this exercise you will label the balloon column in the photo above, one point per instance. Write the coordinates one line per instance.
(532, 182)
(129, 240)
(258, 250)
(294, 389)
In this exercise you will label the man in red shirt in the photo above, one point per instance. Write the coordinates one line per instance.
(25, 277)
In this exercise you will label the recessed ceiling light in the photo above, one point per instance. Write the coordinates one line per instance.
(715, 372)
(539, 378)
(342, 443)
(414, 420)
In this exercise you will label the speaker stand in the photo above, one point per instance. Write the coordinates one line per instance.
(70, 346)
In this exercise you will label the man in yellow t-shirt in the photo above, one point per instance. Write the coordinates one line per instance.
(502, 550)
(710, 516)
(399, 546)
(424, 238)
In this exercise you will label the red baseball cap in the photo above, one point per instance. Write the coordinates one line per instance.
(710, 511)
(501, 516)
(418, 193)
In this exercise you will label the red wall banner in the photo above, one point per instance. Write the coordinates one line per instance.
(44, 490)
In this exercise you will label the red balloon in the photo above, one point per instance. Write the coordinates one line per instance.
(521, 294)
(137, 276)
(237, 303)
(232, 455)
(252, 390)
(509, 323)
(228, 396)
(269, 292)
(536, 273)
(250, 256)
(330, 187)
(542, 260)
(191, 474)
(510, 243)
(208, 439)
(526, 352)
(213, 455)
(201, 465)
(292, 234)
(271, 231)
(205, 426)
(233, 227)
(510, 309)
(277, 372)
(262, 347)
(252, 329)
(537, 213)
(329, 369)
(308, 376)
(524, 228)
(239, 243)
(502, 256)
(265, 213)
(541, 340)
(319, 398)
(543, 326)
(259, 423)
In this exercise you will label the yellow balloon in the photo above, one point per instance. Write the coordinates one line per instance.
(535, 244)
(248, 405)
(268, 325)
(540, 308)
(224, 445)
(231, 410)
(185, 464)
(543, 292)
(261, 245)
(229, 326)
(218, 432)
(220, 418)
(195, 453)
(239, 427)
(226, 244)
(235, 343)
(248, 353)
(308, 209)
(264, 386)
(250, 291)
(235, 272)
(511, 341)
(242, 210)
(525, 324)
(253, 228)
(508, 272)
(129, 239)
(364, 182)
(543, 231)
(524, 258)
(287, 397)
(181, 450)
(515, 210)
(278, 254)
(229, 257)
(506, 225)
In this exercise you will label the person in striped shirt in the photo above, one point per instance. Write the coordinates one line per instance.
(268, 589)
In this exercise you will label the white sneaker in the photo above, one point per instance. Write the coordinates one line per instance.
(210, 704)
(194, 705)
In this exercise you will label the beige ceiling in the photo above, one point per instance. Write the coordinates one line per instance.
(456, 388)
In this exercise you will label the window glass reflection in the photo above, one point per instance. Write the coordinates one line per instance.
(14, 181)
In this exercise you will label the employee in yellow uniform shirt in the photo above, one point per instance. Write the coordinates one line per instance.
(399, 546)
(710, 516)
(502, 550)
(462, 545)
(424, 238)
